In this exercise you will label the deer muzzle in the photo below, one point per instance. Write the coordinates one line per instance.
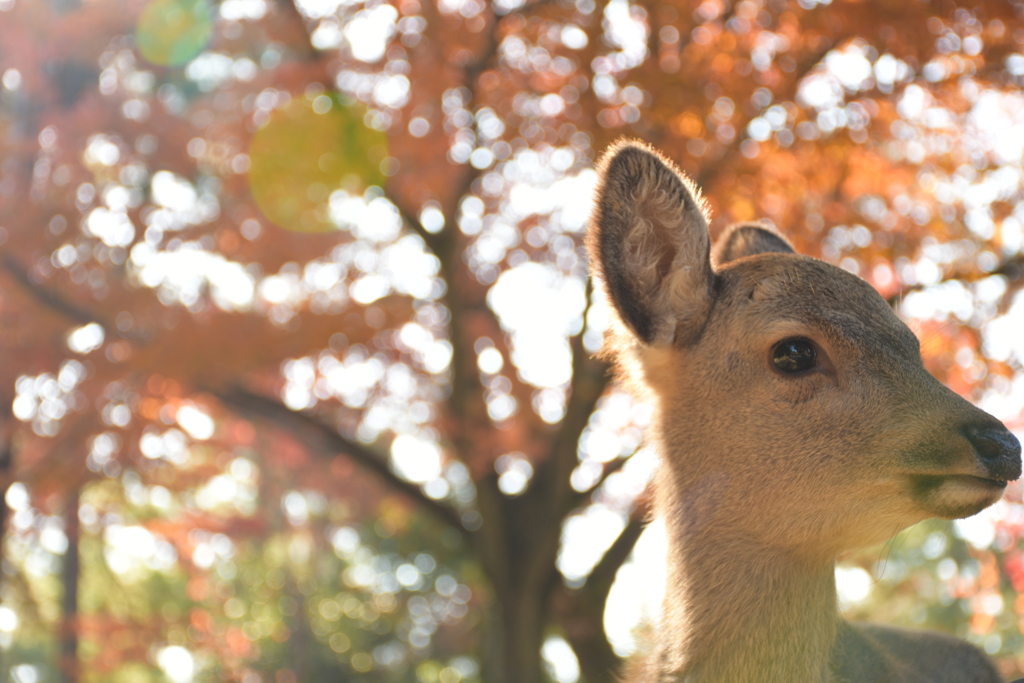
(997, 450)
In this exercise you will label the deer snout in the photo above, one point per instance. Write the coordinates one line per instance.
(997, 449)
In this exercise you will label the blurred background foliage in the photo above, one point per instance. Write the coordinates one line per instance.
(297, 337)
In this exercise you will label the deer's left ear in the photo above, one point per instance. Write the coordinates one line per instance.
(648, 240)
(747, 239)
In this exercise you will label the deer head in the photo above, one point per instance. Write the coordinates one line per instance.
(792, 406)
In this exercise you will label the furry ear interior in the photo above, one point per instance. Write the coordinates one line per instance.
(747, 239)
(648, 240)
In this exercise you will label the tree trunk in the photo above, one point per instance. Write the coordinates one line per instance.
(69, 576)
(6, 470)
(6, 473)
(514, 639)
(299, 644)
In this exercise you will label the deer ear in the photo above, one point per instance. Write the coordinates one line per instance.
(747, 239)
(649, 243)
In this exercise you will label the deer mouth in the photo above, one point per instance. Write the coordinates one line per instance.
(954, 496)
(992, 483)
(928, 482)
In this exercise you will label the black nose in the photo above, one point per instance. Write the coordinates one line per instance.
(997, 448)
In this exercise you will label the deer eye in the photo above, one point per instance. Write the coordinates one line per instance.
(794, 355)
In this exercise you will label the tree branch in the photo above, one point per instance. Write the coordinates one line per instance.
(552, 495)
(708, 173)
(322, 438)
(1012, 269)
(47, 298)
(590, 379)
(490, 49)
(414, 223)
(601, 578)
(580, 612)
(610, 468)
(59, 304)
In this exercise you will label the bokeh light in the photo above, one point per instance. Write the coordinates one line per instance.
(172, 32)
(309, 148)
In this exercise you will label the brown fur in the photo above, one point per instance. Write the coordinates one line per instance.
(767, 476)
(747, 239)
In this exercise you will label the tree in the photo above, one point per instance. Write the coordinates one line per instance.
(294, 291)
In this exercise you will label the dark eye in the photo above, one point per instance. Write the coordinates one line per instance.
(794, 355)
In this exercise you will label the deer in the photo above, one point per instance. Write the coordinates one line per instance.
(794, 420)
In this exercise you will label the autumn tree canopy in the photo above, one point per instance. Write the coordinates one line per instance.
(298, 377)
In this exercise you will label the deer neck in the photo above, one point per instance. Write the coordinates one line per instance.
(738, 610)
